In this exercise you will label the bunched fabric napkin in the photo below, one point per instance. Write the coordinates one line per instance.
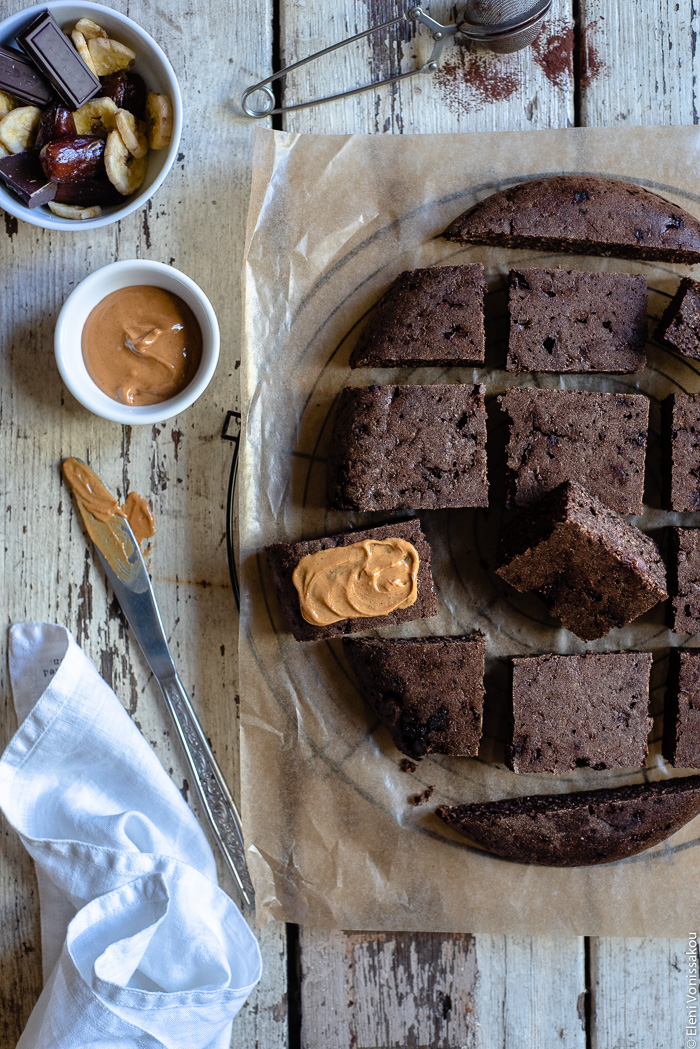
(141, 948)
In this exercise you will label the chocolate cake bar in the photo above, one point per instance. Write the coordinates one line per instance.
(428, 691)
(284, 557)
(681, 742)
(583, 215)
(597, 439)
(582, 828)
(587, 711)
(575, 321)
(681, 450)
(684, 580)
(427, 317)
(679, 328)
(408, 448)
(594, 569)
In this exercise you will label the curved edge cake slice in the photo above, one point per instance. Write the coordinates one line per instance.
(428, 691)
(430, 317)
(584, 215)
(579, 829)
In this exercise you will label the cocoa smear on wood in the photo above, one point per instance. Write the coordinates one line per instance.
(487, 77)
(553, 50)
(592, 65)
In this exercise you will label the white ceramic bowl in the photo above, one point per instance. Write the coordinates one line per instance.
(79, 305)
(158, 74)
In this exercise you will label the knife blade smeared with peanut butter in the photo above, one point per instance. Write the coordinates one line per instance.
(361, 580)
(99, 509)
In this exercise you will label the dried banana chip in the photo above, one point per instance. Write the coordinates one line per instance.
(4, 152)
(159, 120)
(89, 29)
(6, 103)
(96, 117)
(109, 56)
(83, 50)
(133, 133)
(18, 128)
(125, 171)
(74, 211)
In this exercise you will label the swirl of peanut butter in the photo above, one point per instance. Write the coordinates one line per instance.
(359, 581)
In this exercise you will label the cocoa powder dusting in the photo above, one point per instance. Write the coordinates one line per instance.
(470, 79)
(553, 50)
(592, 64)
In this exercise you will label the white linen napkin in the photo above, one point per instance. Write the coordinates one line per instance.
(140, 945)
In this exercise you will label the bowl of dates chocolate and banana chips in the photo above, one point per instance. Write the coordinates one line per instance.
(90, 115)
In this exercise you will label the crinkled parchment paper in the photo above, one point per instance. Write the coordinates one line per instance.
(334, 836)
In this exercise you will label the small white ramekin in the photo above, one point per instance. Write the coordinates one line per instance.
(158, 74)
(79, 305)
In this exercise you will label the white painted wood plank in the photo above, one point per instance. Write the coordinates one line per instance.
(392, 990)
(387, 990)
(639, 62)
(530, 992)
(638, 989)
(474, 90)
(196, 222)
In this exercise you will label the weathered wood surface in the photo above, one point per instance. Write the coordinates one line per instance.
(195, 222)
(620, 64)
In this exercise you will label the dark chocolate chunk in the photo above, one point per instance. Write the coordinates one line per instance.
(23, 174)
(22, 80)
(582, 711)
(581, 828)
(56, 57)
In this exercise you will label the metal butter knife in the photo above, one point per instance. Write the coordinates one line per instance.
(124, 566)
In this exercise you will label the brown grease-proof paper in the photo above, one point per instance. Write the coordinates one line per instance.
(335, 837)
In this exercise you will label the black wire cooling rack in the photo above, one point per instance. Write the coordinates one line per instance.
(232, 432)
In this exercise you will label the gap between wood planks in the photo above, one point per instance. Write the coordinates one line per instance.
(585, 1006)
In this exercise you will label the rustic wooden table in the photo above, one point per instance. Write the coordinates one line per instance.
(596, 62)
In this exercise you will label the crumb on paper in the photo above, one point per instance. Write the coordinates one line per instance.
(425, 795)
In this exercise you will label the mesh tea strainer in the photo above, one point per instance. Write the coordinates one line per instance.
(502, 25)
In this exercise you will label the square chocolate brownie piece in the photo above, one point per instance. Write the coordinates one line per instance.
(595, 570)
(408, 448)
(587, 711)
(283, 558)
(684, 580)
(679, 328)
(597, 439)
(681, 450)
(575, 321)
(681, 742)
(427, 317)
(428, 691)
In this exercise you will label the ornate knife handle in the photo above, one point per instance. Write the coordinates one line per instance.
(214, 794)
